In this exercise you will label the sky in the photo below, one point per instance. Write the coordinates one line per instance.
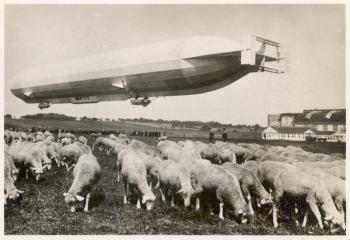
(312, 38)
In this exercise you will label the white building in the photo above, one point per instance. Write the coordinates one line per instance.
(302, 134)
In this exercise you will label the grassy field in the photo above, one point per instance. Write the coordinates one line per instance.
(42, 210)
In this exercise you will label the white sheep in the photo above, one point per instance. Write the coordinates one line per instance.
(134, 175)
(161, 138)
(176, 178)
(72, 152)
(29, 156)
(83, 140)
(10, 176)
(214, 181)
(86, 174)
(249, 184)
(335, 185)
(285, 178)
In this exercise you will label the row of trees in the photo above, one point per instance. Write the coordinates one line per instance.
(174, 123)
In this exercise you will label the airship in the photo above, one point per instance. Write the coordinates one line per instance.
(186, 66)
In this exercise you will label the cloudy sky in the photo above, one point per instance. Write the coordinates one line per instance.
(313, 39)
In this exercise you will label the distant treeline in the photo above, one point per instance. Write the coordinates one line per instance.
(192, 124)
(49, 116)
(174, 123)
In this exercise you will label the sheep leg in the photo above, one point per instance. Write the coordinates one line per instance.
(197, 204)
(172, 204)
(221, 213)
(70, 167)
(310, 199)
(250, 207)
(27, 174)
(162, 195)
(138, 204)
(275, 204)
(338, 202)
(305, 218)
(258, 205)
(221, 205)
(125, 184)
(86, 208)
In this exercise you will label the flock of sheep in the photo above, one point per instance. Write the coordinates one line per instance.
(236, 179)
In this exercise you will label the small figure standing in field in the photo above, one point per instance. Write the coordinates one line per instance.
(211, 137)
(224, 136)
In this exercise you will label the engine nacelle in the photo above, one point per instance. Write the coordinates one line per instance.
(144, 102)
(43, 105)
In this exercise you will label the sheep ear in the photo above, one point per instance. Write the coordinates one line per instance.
(327, 218)
(180, 191)
(20, 191)
(79, 198)
(64, 194)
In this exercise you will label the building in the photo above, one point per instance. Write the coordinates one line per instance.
(327, 120)
(317, 124)
(287, 133)
(302, 134)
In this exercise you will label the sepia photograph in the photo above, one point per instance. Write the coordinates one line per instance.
(174, 119)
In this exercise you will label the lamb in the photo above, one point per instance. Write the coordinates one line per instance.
(72, 153)
(284, 178)
(28, 156)
(134, 175)
(86, 174)
(83, 140)
(249, 184)
(176, 178)
(216, 181)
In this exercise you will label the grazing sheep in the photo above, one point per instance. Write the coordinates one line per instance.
(134, 175)
(82, 140)
(295, 183)
(30, 157)
(40, 136)
(249, 184)
(10, 176)
(9, 166)
(101, 142)
(150, 160)
(176, 178)
(212, 153)
(72, 152)
(335, 186)
(86, 174)
(215, 181)
(162, 138)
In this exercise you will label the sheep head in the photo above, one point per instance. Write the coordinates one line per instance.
(186, 194)
(149, 199)
(71, 200)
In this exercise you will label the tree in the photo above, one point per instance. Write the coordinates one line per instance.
(8, 116)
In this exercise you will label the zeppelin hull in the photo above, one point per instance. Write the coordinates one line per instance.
(195, 69)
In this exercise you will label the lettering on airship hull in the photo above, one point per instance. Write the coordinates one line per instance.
(84, 99)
